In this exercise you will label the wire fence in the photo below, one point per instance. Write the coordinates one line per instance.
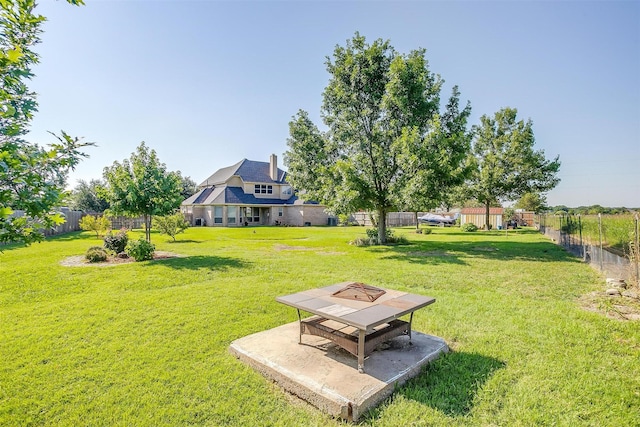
(609, 243)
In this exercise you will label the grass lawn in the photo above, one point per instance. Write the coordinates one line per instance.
(146, 344)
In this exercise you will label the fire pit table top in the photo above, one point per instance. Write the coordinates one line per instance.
(361, 313)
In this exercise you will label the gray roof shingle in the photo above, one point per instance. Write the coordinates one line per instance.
(248, 170)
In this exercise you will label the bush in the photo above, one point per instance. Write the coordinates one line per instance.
(140, 249)
(171, 224)
(116, 243)
(96, 254)
(372, 233)
(372, 238)
(469, 227)
(426, 230)
(97, 224)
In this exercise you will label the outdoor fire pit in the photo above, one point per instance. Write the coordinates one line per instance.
(355, 316)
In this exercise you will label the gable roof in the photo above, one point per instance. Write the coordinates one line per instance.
(481, 211)
(236, 196)
(248, 171)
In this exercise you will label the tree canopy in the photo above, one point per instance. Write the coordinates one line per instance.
(534, 202)
(386, 142)
(141, 185)
(508, 166)
(32, 178)
(188, 186)
(86, 196)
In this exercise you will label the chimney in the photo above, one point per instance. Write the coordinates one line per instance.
(273, 167)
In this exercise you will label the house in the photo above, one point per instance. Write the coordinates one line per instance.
(478, 216)
(251, 193)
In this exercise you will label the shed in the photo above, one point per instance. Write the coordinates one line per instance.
(477, 216)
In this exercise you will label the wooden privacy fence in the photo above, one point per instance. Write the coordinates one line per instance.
(394, 219)
(72, 222)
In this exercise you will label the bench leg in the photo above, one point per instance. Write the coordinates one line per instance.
(361, 340)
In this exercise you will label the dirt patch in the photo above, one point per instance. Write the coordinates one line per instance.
(484, 249)
(304, 248)
(80, 261)
(617, 307)
(428, 254)
(290, 248)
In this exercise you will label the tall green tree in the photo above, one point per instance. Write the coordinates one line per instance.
(32, 178)
(438, 164)
(508, 166)
(188, 186)
(534, 202)
(86, 196)
(141, 185)
(381, 110)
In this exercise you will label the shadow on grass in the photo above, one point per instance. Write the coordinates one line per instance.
(450, 384)
(74, 235)
(176, 242)
(199, 262)
(495, 249)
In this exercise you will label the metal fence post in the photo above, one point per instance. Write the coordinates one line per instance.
(580, 234)
(636, 251)
(600, 237)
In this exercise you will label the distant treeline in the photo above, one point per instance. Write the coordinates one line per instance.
(592, 210)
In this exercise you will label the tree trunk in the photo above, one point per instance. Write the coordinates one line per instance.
(487, 223)
(417, 222)
(382, 225)
(147, 227)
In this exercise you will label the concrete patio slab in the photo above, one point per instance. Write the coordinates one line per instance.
(326, 376)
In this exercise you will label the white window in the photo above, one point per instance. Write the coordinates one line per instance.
(269, 189)
(217, 214)
(256, 189)
(231, 214)
(280, 211)
(286, 191)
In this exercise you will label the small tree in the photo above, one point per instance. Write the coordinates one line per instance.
(141, 185)
(99, 224)
(171, 224)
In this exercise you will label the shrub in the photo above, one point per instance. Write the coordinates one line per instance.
(468, 227)
(140, 249)
(96, 254)
(171, 224)
(98, 224)
(426, 230)
(116, 243)
(372, 238)
(372, 233)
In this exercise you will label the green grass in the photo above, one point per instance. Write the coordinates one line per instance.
(146, 344)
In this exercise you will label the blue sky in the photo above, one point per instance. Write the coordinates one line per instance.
(207, 83)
